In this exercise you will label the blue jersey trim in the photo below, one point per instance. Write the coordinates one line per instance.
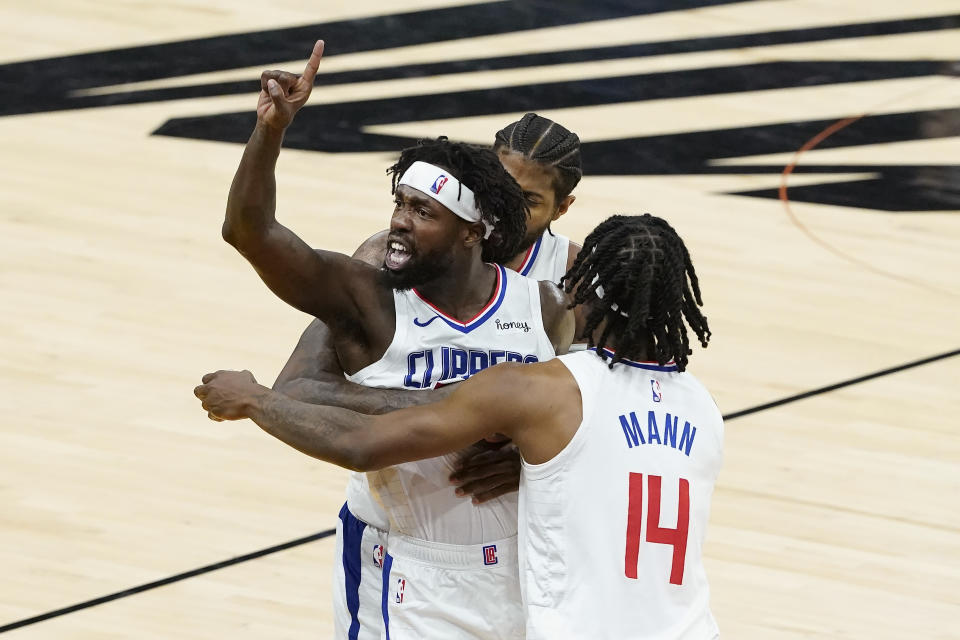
(476, 322)
(649, 366)
(532, 257)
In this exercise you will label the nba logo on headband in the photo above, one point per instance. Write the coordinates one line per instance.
(438, 183)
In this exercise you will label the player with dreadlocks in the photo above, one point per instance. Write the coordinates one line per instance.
(505, 221)
(621, 445)
(434, 313)
(649, 285)
(544, 158)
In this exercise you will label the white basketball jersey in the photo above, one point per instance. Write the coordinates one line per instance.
(612, 528)
(431, 349)
(546, 259)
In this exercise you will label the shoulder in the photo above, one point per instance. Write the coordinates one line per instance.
(373, 249)
(558, 319)
(553, 302)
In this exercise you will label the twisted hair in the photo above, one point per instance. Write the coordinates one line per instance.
(547, 143)
(640, 269)
(497, 195)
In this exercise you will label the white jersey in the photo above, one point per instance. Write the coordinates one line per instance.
(612, 528)
(431, 349)
(546, 259)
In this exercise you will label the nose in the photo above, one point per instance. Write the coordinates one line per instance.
(401, 220)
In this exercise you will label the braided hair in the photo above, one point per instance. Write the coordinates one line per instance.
(497, 195)
(641, 272)
(547, 143)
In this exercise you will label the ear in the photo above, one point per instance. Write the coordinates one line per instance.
(562, 208)
(473, 234)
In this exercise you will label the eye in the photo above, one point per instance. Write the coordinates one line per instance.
(423, 213)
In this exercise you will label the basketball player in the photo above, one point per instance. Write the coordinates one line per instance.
(436, 313)
(544, 158)
(621, 446)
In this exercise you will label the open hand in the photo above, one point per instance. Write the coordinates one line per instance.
(487, 470)
(228, 395)
(283, 93)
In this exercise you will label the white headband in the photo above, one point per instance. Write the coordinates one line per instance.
(438, 184)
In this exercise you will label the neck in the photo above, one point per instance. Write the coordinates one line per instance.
(517, 261)
(647, 353)
(461, 292)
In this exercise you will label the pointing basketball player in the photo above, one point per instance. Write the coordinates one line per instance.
(544, 158)
(621, 446)
(437, 312)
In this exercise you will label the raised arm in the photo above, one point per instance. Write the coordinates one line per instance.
(538, 405)
(324, 284)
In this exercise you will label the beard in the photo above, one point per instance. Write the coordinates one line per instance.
(531, 237)
(417, 271)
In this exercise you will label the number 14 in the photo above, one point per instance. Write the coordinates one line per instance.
(677, 538)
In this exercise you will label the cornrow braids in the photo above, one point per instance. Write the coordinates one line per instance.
(547, 143)
(497, 195)
(640, 269)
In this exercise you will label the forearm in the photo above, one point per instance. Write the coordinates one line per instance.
(331, 434)
(333, 390)
(251, 205)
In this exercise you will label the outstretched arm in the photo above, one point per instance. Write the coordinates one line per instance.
(323, 284)
(313, 372)
(517, 400)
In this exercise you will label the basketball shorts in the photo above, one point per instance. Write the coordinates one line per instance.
(357, 579)
(434, 591)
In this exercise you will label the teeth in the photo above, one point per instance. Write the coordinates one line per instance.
(396, 246)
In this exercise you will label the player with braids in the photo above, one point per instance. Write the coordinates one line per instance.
(498, 198)
(547, 143)
(620, 453)
(544, 157)
(641, 270)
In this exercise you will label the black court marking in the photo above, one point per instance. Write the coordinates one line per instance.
(160, 583)
(330, 532)
(59, 83)
(840, 385)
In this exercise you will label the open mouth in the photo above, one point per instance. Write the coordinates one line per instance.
(397, 255)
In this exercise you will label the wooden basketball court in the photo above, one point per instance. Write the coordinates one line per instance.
(836, 514)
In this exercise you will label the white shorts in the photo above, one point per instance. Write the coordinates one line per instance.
(434, 591)
(357, 579)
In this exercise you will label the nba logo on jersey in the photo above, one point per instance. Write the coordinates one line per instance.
(438, 183)
(490, 554)
(378, 556)
(655, 389)
(401, 584)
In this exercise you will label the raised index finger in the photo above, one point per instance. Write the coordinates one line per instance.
(310, 71)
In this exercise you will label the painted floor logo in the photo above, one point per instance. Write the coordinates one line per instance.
(85, 81)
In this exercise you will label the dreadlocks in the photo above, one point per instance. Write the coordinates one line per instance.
(640, 269)
(497, 195)
(547, 143)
